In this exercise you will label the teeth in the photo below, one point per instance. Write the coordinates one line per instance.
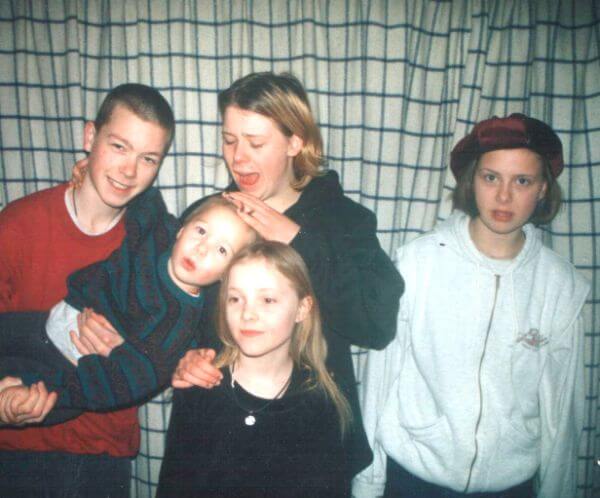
(118, 184)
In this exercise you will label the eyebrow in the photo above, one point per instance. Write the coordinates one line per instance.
(249, 135)
(120, 138)
(128, 143)
(262, 289)
(495, 172)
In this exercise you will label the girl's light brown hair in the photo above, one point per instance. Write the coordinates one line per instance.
(308, 348)
(282, 98)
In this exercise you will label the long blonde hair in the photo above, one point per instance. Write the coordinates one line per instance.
(282, 98)
(308, 348)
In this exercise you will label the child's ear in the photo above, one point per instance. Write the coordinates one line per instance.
(179, 233)
(89, 134)
(306, 304)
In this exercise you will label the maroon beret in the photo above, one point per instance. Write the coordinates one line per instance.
(513, 132)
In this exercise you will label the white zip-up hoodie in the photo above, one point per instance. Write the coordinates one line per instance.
(483, 384)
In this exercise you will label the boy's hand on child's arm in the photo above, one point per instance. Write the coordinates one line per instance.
(196, 369)
(78, 173)
(96, 334)
(25, 405)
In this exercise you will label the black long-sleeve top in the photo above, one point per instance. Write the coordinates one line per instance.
(294, 449)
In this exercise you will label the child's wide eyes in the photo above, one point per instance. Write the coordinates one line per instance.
(523, 181)
(489, 177)
(201, 230)
(223, 251)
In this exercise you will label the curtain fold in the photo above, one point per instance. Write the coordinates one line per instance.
(394, 85)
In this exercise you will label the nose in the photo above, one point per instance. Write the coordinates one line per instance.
(504, 192)
(239, 153)
(248, 313)
(129, 167)
(202, 248)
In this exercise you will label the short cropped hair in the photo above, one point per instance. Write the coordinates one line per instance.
(144, 101)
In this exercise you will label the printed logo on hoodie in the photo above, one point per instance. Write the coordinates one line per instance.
(532, 339)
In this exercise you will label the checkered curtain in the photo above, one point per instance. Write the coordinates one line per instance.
(394, 85)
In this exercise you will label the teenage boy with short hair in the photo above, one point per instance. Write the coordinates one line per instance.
(50, 234)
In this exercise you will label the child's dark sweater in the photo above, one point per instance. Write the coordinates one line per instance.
(133, 290)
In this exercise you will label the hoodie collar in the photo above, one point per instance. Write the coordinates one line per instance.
(321, 189)
(455, 233)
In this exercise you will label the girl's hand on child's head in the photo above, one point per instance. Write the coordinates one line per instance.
(268, 222)
(78, 173)
(96, 334)
(25, 405)
(196, 369)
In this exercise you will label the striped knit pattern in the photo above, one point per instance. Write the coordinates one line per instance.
(133, 291)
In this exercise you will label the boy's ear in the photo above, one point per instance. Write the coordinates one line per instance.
(306, 304)
(89, 135)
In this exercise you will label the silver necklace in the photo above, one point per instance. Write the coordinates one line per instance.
(250, 418)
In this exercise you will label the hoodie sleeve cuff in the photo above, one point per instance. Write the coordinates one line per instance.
(362, 489)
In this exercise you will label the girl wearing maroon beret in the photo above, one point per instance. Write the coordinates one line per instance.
(481, 391)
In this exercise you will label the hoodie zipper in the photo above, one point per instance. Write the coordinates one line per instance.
(487, 335)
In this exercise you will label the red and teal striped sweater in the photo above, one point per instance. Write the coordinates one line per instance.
(133, 290)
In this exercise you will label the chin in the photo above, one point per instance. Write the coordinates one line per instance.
(506, 230)
(251, 353)
(118, 202)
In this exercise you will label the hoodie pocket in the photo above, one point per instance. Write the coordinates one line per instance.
(430, 441)
(426, 432)
(516, 455)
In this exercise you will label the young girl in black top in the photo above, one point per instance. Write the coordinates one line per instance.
(275, 425)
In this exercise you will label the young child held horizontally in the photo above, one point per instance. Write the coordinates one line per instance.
(275, 425)
(481, 391)
(149, 290)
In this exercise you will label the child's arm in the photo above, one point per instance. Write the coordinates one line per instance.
(132, 372)
(98, 336)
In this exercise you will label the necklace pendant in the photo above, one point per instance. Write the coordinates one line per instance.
(250, 420)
